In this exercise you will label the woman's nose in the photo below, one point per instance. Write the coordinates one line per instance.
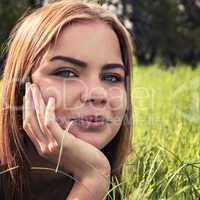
(95, 95)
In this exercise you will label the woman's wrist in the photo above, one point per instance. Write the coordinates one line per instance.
(93, 185)
(97, 163)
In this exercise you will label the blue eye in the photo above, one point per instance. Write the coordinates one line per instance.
(114, 78)
(108, 77)
(65, 73)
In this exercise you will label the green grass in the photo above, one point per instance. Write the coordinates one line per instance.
(166, 161)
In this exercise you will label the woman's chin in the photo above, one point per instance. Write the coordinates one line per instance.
(91, 136)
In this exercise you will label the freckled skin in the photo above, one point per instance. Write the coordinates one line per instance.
(96, 44)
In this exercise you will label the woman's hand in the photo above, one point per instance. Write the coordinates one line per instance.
(78, 157)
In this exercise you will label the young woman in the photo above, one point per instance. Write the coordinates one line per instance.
(66, 83)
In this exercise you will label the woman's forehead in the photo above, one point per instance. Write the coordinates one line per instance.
(91, 42)
(79, 36)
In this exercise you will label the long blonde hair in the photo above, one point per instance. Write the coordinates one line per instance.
(28, 43)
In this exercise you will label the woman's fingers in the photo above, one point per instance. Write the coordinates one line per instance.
(40, 108)
(30, 123)
(33, 138)
(39, 105)
(50, 120)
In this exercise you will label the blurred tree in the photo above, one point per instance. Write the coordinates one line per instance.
(164, 30)
(191, 31)
(192, 8)
(10, 11)
(36, 3)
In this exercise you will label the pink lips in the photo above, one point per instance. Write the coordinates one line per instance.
(91, 121)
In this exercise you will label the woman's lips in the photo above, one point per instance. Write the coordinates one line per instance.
(86, 124)
(90, 124)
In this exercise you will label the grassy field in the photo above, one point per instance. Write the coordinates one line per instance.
(166, 164)
(166, 161)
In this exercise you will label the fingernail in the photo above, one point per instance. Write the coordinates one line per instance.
(27, 86)
(52, 99)
(32, 86)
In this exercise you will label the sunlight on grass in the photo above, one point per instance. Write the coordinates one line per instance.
(166, 142)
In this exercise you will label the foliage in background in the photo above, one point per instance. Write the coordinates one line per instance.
(164, 31)
(10, 11)
(167, 30)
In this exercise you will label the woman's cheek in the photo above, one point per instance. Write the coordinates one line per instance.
(117, 99)
(71, 94)
(66, 94)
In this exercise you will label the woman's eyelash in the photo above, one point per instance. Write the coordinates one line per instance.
(116, 77)
(111, 77)
(59, 72)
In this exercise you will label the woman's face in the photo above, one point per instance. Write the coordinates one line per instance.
(85, 74)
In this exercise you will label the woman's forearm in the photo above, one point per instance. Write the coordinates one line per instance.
(90, 187)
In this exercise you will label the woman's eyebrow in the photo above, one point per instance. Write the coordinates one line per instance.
(71, 60)
(83, 64)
